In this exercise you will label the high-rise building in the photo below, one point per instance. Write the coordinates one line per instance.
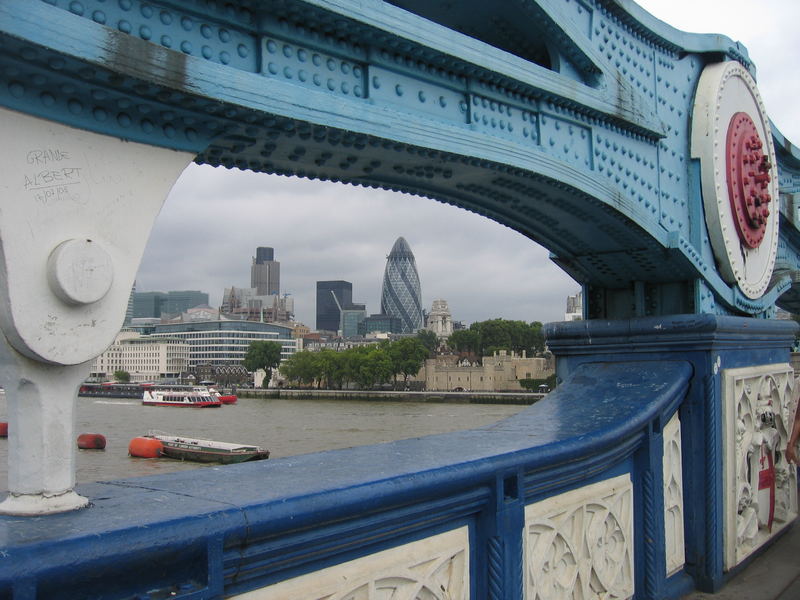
(265, 272)
(129, 309)
(180, 301)
(153, 304)
(574, 307)
(401, 296)
(332, 296)
(350, 319)
(148, 304)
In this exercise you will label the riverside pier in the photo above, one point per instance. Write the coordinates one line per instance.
(641, 156)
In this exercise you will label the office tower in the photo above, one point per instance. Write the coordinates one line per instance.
(179, 301)
(574, 307)
(350, 320)
(148, 304)
(129, 309)
(401, 296)
(331, 297)
(265, 272)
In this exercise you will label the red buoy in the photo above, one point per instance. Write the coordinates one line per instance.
(91, 441)
(3, 429)
(145, 447)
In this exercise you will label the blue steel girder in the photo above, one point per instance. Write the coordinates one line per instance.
(566, 120)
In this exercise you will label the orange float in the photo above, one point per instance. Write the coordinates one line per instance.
(145, 447)
(91, 441)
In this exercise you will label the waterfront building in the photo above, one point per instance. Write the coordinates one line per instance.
(265, 272)
(145, 358)
(574, 308)
(225, 342)
(439, 320)
(500, 372)
(401, 295)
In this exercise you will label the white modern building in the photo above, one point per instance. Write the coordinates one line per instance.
(143, 357)
(225, 342)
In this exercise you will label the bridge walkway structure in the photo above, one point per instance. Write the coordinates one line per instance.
(642, 157)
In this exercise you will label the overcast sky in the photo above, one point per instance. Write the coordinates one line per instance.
(214, 219)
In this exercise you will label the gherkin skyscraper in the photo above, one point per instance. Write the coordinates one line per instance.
(401, 296)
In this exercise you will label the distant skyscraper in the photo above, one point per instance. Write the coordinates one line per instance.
(129, 310)
(180, 301)
(265, 273)
(148, 304)
(154, 304)
(574, 307)
(401, 296)
(330, 296)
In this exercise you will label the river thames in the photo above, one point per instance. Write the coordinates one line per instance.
(284, 427)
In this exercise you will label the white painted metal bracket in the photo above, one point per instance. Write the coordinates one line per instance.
(76, 210)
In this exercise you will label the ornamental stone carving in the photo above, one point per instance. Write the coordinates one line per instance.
(760, 486)
(434, 568)
(673, 496)
(580, 544)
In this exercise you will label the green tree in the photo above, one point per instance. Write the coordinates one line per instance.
(301, 367)
(122, 376)
(351, 362)
(330, 367)
(376, 368)
(263, 355)
(501, 334)
(407, 357)
(465, 340)
(429, 339)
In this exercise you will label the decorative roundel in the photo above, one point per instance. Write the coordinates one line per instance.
(731, 137)
(748, 172)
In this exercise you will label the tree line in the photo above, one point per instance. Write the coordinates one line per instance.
(362, 366)
(483, 338)
(368, 366)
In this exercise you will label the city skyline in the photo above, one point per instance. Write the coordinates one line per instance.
(326, 231)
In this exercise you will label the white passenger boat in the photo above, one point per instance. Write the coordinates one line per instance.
(191, 397)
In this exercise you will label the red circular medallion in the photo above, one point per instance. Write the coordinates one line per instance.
(748, 179)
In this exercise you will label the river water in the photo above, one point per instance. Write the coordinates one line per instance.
(284, 427)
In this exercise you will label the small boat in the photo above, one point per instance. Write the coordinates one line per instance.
(184, 448)
(192, 398)
(224, 398)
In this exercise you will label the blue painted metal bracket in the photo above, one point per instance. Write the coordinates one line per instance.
(578, 140)
(205, 533)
